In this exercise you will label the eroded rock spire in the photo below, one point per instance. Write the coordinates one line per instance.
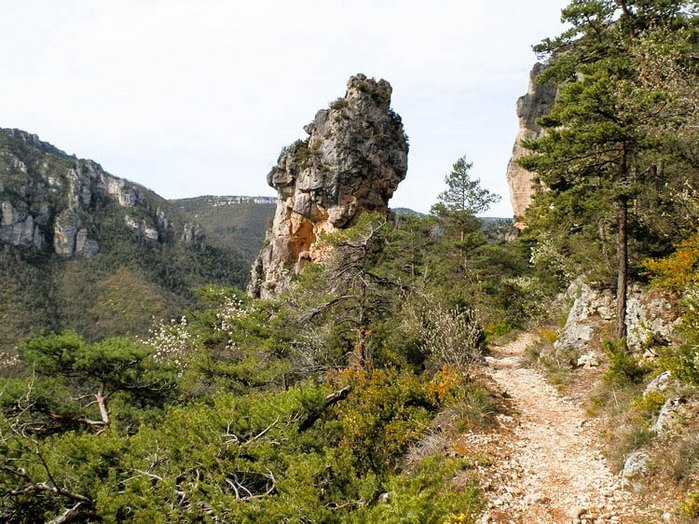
(536, 103)
(355, 156)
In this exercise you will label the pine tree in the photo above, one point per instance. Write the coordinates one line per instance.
(610, 127)
(464, 198)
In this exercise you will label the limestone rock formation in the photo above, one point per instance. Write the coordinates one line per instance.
(658, 384)
(50, 201)
(531, 106)
(355, 156)
(650, 316)
(84, 250)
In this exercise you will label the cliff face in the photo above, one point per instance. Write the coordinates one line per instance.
(84, 250)
(355, 156)
(50, 201)
(531, 106)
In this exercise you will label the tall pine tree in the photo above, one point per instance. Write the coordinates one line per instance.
(611, 129)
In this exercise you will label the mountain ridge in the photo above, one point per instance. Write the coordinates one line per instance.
(80, 247)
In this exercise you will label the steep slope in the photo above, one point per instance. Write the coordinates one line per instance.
(234, 224)
(83, 249)
(355, 156)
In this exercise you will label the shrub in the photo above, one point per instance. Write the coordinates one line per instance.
(690, 505)
(340, 103)
(428, 496)
(683, 358)
(386, 411)
(452, 337)
(475, 409)
(679, 460)
(623, 368)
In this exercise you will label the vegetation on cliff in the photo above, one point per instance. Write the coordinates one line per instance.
(619, 151)
(619, 203)
(81, 249)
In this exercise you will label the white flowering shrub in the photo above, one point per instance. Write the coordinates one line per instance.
(232, 308)
(545, 255)
(229, 315)
(173, 342)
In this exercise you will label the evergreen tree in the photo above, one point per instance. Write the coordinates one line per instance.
(464, 198)
(610, 129)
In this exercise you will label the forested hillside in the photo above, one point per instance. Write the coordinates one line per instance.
(366, 390)
(232, 223)
(84, 250)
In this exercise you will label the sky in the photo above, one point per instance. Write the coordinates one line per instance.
(195, 97)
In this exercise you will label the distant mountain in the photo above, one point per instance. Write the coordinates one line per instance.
(234, 224)
(82, 249)
(498, 228)
(407, 211)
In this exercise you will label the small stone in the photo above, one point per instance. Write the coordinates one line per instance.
(578, 513)
(588, 361)
(659, 383)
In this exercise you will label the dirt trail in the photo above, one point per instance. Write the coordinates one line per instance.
(550, 468)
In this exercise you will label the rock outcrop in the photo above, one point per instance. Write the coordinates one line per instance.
(650, 316)
(81, 249)
(531, 106)
(355, 156)
(53, 202)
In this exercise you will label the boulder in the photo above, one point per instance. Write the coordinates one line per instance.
(659, 383)
(635, 467)
(667, 417)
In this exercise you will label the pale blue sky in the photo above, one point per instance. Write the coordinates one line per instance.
(192, 97)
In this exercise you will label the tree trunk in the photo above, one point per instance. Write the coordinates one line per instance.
(623, 270)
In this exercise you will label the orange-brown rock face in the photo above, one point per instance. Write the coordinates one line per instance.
(531, 106)
(355, 156)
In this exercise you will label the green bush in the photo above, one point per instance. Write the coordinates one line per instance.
(623, 368)
(690, 505)
(430, 495)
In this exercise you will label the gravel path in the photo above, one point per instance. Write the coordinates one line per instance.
(550, 469)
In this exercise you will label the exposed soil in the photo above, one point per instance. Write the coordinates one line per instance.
(544, 463)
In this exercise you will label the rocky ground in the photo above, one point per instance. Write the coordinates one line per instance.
(544, 462)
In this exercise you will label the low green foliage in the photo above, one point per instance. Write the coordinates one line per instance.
(623, 367)
(426, 496)
(217, 416)
(690, 505)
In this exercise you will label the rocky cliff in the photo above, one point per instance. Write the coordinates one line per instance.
(531, 106)
(355, 156)
(650, 320)
(50, 201)
(84, 250)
